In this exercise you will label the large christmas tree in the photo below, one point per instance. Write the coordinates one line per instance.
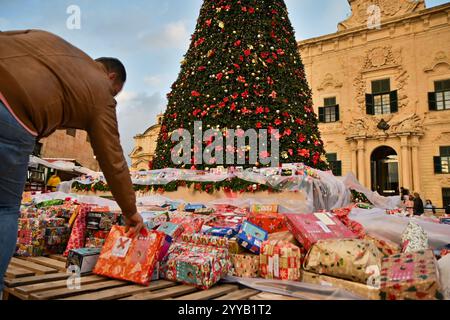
(243, 71)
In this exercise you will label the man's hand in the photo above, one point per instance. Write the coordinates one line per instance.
(133, 225)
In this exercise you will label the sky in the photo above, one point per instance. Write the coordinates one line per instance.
(150, 37)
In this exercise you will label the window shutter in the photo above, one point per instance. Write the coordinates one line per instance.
(432, 101)
(394, 101)
(437, 165)
(369, 104)
(321, 114)
(338, 168)
(336, 109)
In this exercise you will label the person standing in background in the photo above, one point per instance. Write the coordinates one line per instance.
(429, 208)
(418, 205)
(404, 193)
(53, 182)
(409, 205)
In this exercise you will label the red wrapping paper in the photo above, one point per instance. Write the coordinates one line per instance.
(271, 222)
(130, 259)
(77, 236)
(342, 214)
(310, 228)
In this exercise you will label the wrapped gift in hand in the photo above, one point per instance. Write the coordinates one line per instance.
(130, 259)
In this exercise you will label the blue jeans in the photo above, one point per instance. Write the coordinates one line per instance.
(16, 145)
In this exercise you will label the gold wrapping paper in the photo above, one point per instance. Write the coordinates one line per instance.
(284, 236)
(351, 259)
(234, 247)
(365, 291)
(245, 265)
(386, 246)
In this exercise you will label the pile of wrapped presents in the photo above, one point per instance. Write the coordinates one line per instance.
(199, 246)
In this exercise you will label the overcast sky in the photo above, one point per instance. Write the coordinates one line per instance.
(150, 37)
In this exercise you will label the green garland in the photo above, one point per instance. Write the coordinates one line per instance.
(359, 197)
(229, 185)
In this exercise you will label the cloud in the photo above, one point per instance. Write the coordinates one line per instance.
(136, 112)
(159, 82)
(3, 24)
(153, 81)
(173, 35)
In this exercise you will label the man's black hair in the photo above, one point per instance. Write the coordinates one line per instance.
(114, 65)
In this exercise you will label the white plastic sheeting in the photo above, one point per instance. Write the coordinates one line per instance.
(444, 272)
(81, 199)
(391, 227)
(62, 166)
(295, 289)
(377, 200)
(323, 193)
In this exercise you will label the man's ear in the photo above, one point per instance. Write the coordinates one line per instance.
(112, 76)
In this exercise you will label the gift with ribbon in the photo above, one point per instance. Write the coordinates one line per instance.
(310, 228)
(280, 260)
(130, 259)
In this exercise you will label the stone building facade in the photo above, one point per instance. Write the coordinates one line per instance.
(383, 96)
(68, 144)
(382, 93)
(145, 147)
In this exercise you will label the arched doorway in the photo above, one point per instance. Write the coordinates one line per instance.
(384, 169)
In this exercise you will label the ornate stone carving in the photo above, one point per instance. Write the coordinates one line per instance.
(444, 181)
(379, 57)
(439, 58)
(329, 81)
(398, 124)
(388, 9)
(407, 124)
(443, 136)
(402, 80)
(376, 59)
(359, 127)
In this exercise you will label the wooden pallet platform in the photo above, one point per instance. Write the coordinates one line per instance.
(45, 278)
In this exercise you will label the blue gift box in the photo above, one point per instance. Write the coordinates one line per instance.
(192, 207)
(171, 229)
(171, 205)
(222, 232)
(251, 237)
(154, 219)
(445, 220)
